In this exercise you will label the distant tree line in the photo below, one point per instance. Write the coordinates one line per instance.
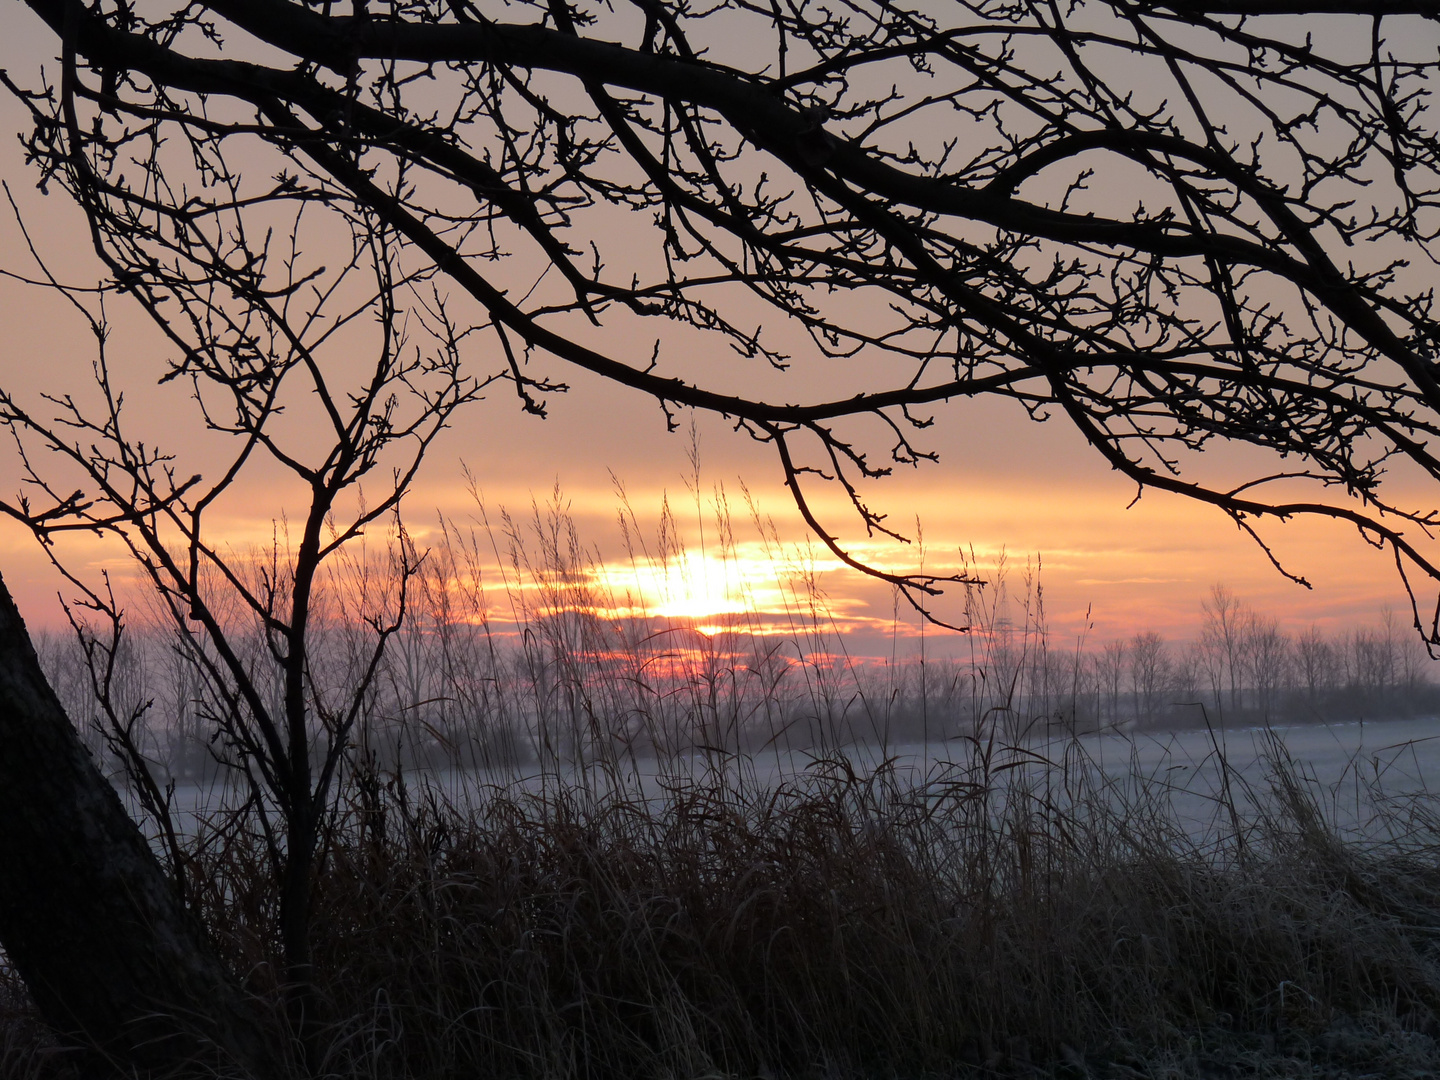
(1021, 677)
(1244, 668)
(570, 683)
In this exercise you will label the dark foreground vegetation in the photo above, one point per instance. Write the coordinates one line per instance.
(996, 921)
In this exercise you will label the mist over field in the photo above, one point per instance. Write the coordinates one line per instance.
(554, 670)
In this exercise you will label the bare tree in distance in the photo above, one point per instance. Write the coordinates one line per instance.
(1166, 225)
(1316, 662)
(1151, 672)
(1221, 639)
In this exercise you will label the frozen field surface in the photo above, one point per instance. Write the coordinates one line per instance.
(1367, 778)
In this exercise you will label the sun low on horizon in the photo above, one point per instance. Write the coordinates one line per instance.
(1006, 492)
(1118, 572)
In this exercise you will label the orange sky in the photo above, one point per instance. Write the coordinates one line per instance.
(1003, 484)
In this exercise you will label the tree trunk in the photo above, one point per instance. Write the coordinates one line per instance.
(87, 917)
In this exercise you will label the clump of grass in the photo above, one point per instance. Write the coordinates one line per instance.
(1000, 919)
(27, 1049)
(1006, 916)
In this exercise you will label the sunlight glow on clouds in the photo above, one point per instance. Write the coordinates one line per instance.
(750, 587)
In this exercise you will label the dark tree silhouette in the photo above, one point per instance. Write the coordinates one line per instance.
(107, 948)
(1168, 224)
(1164, 224)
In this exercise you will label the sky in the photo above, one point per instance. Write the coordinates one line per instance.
(1005, 489)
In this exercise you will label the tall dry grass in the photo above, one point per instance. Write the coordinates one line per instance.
(853, 925)
(598, 881)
